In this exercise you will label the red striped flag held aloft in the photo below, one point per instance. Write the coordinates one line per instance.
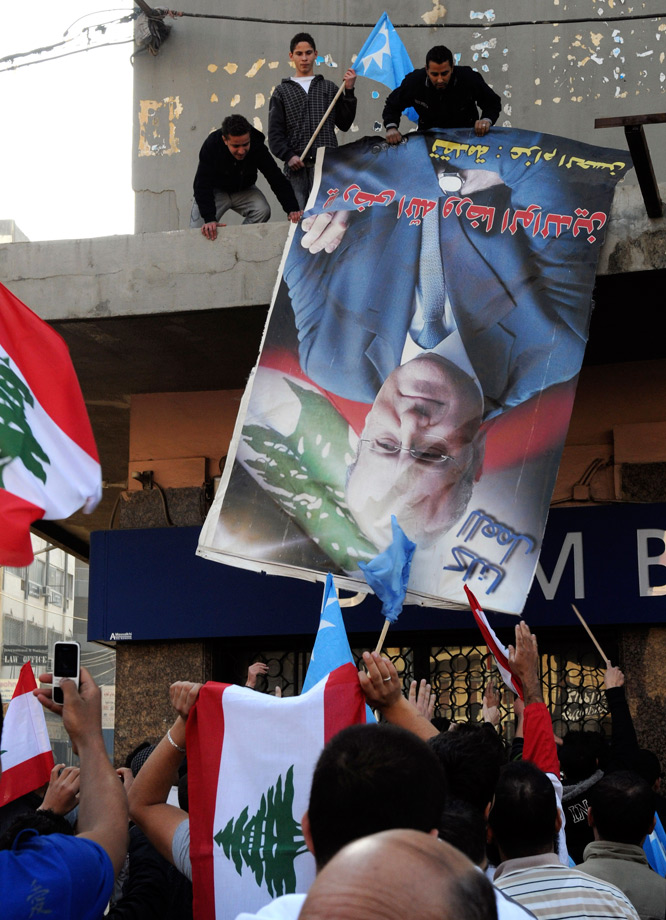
(250, 759)
(499, 652)
(49, 466)
(27, 759)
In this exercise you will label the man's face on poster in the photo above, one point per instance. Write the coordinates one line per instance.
(419, 453)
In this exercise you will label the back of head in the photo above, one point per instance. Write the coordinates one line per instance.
(582, 754)
(44, 821)
(464, 827)
(302, 37)
(235, 126)
(398, 874)
(440, 54)
(471, 758)
(622, 806)
(372, 778)
(524, 814)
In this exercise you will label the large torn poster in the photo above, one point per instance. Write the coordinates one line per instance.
(420, 359)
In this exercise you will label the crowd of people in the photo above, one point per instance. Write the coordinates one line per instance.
(402, 820)
(443, 95)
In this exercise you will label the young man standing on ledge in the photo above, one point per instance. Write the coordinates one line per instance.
(297, 106)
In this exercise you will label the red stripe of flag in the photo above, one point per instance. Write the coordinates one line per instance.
(42, 355)
(204, 753)
(499, 651)
(349, 708)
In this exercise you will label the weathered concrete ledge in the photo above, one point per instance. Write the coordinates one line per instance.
(146, 273)
(181, 271)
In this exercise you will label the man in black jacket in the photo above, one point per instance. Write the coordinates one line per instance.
(444, 96)
(228, 163)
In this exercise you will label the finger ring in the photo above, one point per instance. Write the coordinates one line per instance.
(386, 678)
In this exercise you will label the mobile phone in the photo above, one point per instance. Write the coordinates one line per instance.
(66, 663)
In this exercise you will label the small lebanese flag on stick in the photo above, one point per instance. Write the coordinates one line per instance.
(499, 652)
(27, 759)
(49, 467)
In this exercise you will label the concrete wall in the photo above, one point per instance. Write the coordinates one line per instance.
(153, 273)
(554, 75)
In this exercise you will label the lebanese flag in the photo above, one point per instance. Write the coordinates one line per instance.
(250, 759)
(49, 466)
(27, 759)
(499, 652)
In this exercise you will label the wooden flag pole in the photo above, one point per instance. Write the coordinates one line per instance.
(387, 623)
(589, 632)
(321, 123)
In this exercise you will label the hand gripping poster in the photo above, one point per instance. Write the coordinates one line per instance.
(420, 360)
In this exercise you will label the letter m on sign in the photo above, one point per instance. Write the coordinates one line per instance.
(573, 544)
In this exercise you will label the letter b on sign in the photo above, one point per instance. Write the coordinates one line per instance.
(645, 561)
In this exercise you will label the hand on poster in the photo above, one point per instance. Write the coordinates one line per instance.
(324, 231)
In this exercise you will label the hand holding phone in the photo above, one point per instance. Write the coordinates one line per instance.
(66, 664)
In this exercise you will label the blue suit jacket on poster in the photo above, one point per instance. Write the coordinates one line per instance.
(521, 302)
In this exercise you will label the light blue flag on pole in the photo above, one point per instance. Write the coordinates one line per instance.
(331, 647)
(384, 58)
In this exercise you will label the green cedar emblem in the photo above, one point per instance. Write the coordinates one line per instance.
(269, 842)
(16, 438)
(305, 474)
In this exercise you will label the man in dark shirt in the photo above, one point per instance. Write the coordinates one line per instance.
(225, 180)
(444, 96)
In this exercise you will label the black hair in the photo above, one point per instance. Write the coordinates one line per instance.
(581, 754)
(134, 752)
(646, 764)
(235, 126)
(440, 54)
(622, 806)
(371, 778)
(302, 37)
(524, 813)
(472, 756)
(464, 827)
(43, 821)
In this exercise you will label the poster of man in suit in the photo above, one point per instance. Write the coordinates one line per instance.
(420, 360)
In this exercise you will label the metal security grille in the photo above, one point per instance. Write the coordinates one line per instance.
(459, 671)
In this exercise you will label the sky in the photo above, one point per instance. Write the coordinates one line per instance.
(66, 125)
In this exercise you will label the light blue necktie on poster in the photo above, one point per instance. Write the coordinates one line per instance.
(431, 283)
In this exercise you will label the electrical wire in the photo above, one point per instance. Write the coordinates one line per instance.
(479, 25)
(472, 24)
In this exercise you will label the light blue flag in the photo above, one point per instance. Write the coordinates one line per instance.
(384, 58)
(388, 573)
(655, 848)
(331, 648)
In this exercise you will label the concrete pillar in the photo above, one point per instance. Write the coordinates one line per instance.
(144, 672)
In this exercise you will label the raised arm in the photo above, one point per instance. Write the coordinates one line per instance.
(381, 685)
(102, 803)
(150, 790)
(539, 745)
(624, 743)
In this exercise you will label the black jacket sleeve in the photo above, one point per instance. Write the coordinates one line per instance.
(624, 743)
(277, 181)
(486, 98)
(345, 110)
(204, 180)
(398, 100)
(277, 129)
